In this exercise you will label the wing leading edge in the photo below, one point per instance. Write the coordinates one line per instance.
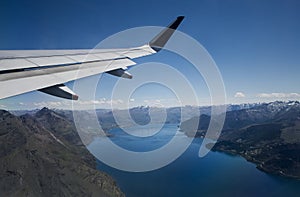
(23, 71)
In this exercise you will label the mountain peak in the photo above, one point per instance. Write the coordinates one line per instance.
(3, 112)
(45, 109)
(45, 112)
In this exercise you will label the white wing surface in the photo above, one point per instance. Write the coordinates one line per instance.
(47, 70)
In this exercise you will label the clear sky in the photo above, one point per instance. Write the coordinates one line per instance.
(255, 43)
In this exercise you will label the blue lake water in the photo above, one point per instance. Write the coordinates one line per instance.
(216, 174)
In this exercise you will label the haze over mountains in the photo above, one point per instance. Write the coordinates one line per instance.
(141, 115)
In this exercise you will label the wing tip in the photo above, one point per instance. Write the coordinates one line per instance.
(159, 41)
(176, 23)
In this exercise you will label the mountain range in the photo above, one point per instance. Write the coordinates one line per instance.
(42, 153)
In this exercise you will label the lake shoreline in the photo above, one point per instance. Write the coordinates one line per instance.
(259, 164)
(194, 176)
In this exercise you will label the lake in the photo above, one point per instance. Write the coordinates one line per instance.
(216, 174)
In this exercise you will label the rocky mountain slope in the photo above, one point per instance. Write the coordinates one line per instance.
(41, 155)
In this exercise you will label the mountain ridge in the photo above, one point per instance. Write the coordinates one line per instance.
(38, 160)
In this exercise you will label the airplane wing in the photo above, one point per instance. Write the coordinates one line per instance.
(47, 70)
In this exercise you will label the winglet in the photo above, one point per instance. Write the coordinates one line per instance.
(159, 41)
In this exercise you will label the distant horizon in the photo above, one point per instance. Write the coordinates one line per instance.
(146, 106)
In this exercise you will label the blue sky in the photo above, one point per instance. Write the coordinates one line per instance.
(255, 44)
